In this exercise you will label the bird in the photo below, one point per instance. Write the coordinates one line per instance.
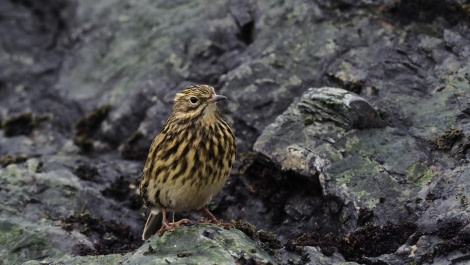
(189, 160)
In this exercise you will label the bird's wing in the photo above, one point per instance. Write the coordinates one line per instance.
(156, 144)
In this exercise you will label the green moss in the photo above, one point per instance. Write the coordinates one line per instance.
(22, 124)
(87, 126)
(463, 200)
(12, 159)
(247, 228)
(446, 140)
(90, 122)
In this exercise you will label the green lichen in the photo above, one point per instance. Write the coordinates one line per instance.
(22, 241)
(13, 174)
(420, 173)
(202, 244)
(81, 260)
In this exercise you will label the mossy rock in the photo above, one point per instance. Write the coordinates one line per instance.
(188, 244)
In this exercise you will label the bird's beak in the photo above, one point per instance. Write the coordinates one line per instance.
(216, 98)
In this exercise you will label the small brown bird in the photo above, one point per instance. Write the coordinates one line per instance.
(189, 160)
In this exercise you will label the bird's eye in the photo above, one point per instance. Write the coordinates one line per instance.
(193, 100)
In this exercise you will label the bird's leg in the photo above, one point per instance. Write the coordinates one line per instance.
(165, 224)
(212, 219)
(170, 226)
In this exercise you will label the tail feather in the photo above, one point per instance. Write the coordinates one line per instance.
(153, 224)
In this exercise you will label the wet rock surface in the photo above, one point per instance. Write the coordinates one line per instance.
(351, 117)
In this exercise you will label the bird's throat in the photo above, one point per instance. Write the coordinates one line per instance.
(211, 113)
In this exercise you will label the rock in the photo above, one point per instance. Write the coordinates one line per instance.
(347, 109)
(341, 109)
(188, 244)
(330, 168)
(379, 175)
(317, 257)
(49, 212)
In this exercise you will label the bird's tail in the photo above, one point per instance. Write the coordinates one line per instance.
(154, 222)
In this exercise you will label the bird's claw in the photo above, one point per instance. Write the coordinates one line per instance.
(216, 222)
(167, 226)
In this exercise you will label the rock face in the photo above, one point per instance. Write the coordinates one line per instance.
(351, 117)
(380, 176)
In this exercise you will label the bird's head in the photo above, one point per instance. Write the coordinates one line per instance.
(197, 102)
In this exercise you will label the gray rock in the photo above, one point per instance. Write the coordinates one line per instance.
(344, 174)
(51, 213)
(188, 244)
(346, 109)
(382, 171)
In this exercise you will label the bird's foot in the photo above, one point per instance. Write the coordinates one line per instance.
(213, 220)
(217, 222)
(167, 226)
